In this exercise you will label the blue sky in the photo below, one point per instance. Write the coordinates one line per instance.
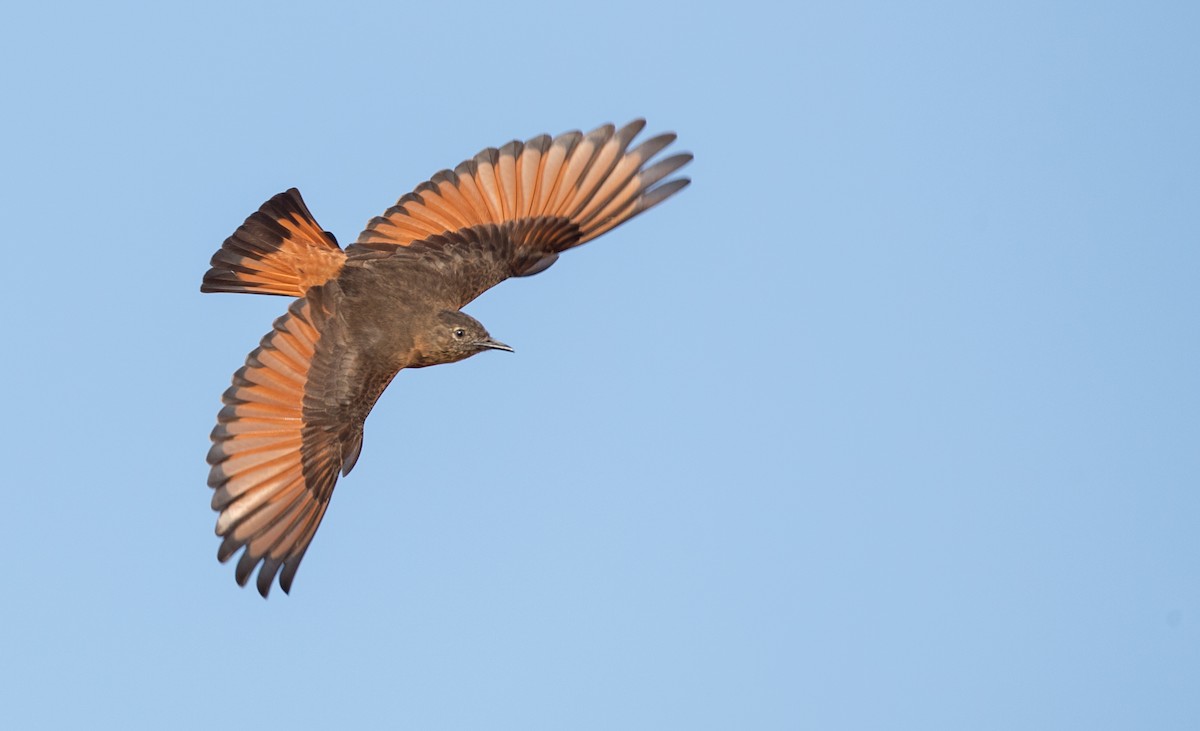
(888, 421)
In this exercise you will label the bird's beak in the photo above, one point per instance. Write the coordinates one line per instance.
(493, 344)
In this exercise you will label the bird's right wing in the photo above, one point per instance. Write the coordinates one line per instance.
(546, 195)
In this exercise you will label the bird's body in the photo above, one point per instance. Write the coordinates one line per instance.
(293, 418)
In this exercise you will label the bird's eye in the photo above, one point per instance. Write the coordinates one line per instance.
(460, 333)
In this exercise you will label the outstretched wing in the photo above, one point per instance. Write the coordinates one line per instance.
(292, 421)
(543, 195)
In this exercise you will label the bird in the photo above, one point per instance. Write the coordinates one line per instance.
(292, 421)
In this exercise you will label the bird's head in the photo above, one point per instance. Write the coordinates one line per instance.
(453, 336)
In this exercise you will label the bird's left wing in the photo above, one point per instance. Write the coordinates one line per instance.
(292, 421)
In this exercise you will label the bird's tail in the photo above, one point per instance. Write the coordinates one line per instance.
(280, 249)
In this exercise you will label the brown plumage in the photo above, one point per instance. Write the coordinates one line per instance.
(293, 418)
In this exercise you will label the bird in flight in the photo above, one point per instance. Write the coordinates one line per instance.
(293, 419)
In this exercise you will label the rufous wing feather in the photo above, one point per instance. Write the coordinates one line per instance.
(272, 469)
(557, 193)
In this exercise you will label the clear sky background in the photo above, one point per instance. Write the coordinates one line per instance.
(890, 420)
